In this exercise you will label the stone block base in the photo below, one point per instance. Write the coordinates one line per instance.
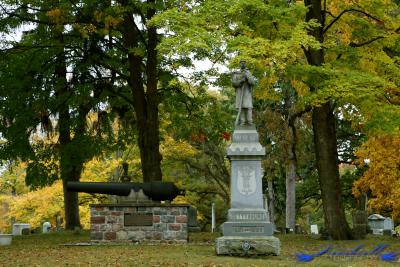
(241, 246)
(150, 222)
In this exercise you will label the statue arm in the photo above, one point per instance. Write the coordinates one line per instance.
(250, 78)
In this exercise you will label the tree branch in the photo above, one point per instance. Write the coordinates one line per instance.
(366, 42)
(329, 13)
(391, 101)
(25, 19)
(346, 11)
(116, 93)
(300, 113)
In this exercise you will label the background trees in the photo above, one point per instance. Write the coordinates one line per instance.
(324, 48)
(328, 80)
(81, 58)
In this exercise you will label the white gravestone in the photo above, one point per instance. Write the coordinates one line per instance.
(17, 228)
(46, 227)
(388, 224)
(314, 229)
(5, 239)
(379, 224)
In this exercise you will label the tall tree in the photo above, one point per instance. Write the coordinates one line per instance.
(324, 126)
(325, 47)
(325, 137)
(143, 81)
(47, 73)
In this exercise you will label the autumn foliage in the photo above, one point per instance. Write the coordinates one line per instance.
(381, 180)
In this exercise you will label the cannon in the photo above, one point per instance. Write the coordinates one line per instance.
(156, 190)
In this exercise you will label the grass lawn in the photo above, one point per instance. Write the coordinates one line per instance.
(49, 250)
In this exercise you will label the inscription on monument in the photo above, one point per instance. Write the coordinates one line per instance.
(246, 181)
(248, 229)
(250, 217)
(137, 219)
(245, 138)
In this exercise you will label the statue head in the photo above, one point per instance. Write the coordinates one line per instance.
(242, 64)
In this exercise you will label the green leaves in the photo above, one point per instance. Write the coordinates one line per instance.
(38, 175)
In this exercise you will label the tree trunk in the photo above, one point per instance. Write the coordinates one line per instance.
(149, 144)
(328, 171)
(71, 203)
(151, 164)
(145, 99)
(325, 141)
(290, 217)
(68, 172)
(271, 206)
(291, 166)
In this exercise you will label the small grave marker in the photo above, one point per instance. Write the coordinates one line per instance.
(314, 229)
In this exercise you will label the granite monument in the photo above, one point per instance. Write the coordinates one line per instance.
(248, 230)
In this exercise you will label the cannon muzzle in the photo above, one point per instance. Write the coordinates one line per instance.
(156, 190)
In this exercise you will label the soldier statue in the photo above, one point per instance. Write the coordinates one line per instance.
(243, 82)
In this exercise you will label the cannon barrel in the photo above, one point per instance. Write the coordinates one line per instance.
(155, 190)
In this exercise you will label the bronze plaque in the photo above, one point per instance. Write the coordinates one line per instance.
(137, 219)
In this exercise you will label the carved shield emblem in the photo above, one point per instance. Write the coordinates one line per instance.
(246, 182)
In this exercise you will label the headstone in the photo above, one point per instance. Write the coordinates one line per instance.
(18, 227)
(59, 221)
(25, 231)
(388, 224)
(5, 239)
(314, 229)
(297, 229)
(248, 230)
(380, 224)
(324, 234)
(125, 176)
(388, 227)
(360, 225)
(46, 227)
(192, 223)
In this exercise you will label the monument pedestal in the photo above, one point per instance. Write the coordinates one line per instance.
(248, 230)
(241, 246)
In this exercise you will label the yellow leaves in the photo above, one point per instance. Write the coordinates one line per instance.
(344, 34)
(87, 30)
(301, 88)
(4, 206)
(38, 206)
(382, 178)
(264, 90)
(107, 23)
(110, 21)
(180, 200)
(56, 15)
(100, 170)
(172, 148)
(107, 20)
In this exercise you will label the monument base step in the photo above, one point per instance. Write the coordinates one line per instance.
(243, 246)
(247, 229)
